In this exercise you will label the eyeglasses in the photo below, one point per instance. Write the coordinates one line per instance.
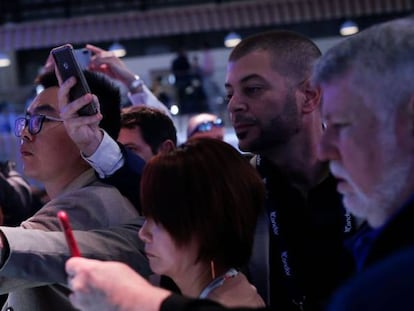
(206, 126)
(34, 122)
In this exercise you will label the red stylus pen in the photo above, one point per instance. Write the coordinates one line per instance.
(67, 229)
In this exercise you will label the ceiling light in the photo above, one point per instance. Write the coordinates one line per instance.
(348, 28)
(231, 40)
(118, 49)
(4, 60)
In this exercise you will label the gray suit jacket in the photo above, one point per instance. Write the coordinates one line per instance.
(90, 204)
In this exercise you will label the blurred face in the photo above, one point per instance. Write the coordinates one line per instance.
(262, 106)
(205, 125)
(372, 168)
(50, 154)
(164, 256)
(132, 138)
(214, 132)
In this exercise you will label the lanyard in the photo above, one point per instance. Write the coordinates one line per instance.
(217, 282)
(279, 247)
(278, 243)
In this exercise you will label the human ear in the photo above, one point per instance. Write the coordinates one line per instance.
(166, 146)
(312, 96)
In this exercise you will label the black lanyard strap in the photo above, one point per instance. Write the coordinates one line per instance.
(279, 248)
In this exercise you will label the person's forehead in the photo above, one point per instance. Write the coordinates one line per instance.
(131, 135)
(331, 105)
(341, 99)
(254, 66)
(45, 102)
(254, 59)
(197, 120)
(136, 131)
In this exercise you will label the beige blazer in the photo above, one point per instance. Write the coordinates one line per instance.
(89, 204)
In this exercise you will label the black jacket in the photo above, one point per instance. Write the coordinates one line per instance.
(15, 195)
(312, 229)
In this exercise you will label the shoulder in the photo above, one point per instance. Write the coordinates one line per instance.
(97, 190)
(372, 290)
(98, 195)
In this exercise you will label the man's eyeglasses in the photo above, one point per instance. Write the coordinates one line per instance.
(206, 126)
(35, 123)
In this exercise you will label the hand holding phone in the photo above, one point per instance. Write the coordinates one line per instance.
(67, 229)
(68, 66)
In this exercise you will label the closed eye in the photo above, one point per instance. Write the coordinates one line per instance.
(340, 125)
(336, 126)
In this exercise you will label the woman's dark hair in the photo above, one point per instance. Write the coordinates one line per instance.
(205, 190)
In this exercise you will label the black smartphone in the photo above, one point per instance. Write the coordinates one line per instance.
(68, 67)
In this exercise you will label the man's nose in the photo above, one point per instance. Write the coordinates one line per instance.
(236, 103)
(326, 148)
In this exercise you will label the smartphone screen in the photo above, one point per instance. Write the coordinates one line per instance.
(68, 67)
(67, 229)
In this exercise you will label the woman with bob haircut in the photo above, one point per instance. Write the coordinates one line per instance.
(201, 202)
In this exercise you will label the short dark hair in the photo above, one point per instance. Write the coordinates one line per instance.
(107, 92)
(210, 192)
(293, 54)
(156, 127)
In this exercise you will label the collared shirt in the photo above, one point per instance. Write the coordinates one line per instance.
(107, 158)
(366, 237)
(361, 243)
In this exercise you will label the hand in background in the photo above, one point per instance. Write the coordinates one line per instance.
(109, 286)
(107, 63)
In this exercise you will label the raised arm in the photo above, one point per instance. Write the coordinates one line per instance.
(108, 63)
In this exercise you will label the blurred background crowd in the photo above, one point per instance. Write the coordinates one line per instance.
(178, 47)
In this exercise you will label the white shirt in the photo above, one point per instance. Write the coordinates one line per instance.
(107, 158)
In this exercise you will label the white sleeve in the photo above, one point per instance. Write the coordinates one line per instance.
(147, 98)
(107, 158)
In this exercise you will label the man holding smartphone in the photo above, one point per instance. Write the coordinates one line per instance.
(67, 65)
(115, 243)
(51, 157)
